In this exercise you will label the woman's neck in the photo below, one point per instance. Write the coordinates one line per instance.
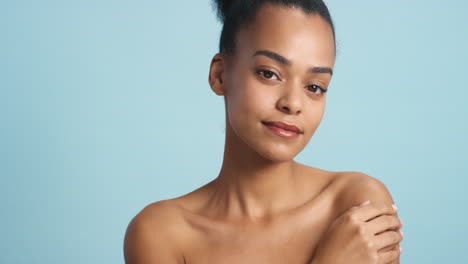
(249, 186)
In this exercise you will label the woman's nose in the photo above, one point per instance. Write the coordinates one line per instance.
(290, 102)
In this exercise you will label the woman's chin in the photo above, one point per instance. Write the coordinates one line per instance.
(278, 154)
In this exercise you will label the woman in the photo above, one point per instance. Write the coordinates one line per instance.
(274, 67)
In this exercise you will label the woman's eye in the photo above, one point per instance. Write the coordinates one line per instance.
(316, 89)
(267, 74)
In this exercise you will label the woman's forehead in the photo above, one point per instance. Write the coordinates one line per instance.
(290, 32)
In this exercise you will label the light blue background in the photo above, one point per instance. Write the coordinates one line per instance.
(105, 107)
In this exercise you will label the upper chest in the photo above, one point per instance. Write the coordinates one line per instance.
(291, 238)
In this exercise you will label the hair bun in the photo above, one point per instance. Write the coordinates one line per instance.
(222, 8)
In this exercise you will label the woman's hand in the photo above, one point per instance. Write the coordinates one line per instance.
(359, 235)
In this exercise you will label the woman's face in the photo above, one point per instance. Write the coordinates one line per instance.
(281, 63)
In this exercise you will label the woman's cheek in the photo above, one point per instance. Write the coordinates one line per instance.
(261, 100)
(237, 109)
(315, 119)
(244, 98)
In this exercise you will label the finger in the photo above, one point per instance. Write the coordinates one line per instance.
(356, 207)
(374, 209)
(382, 223)
(387, 238)
(388, 248)
(387, 257)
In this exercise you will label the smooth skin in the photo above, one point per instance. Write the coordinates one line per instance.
(264, 207)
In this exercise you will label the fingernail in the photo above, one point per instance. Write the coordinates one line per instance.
(401, 249)
(365, 203)
(401, 233)
(394, 207)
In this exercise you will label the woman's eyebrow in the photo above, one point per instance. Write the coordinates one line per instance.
(281, 59)
(321, 70)
(273, 55)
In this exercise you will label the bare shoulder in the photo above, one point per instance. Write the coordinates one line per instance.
(357, 187)
(154, 235)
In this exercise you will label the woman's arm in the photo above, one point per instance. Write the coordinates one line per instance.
(360, 187)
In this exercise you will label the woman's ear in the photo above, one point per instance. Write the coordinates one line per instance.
(216, 74)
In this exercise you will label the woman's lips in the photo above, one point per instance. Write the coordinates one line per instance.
(283, 129)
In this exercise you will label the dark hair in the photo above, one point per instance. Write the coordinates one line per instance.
(236, 13)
